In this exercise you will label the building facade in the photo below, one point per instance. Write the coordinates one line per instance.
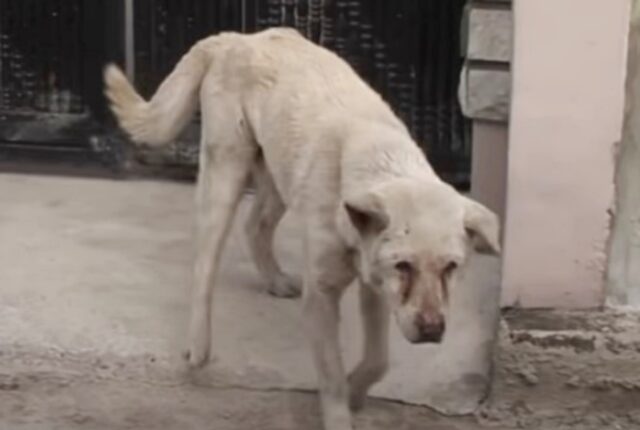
(551, 86)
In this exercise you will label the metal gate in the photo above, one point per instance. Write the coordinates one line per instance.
(52, 52)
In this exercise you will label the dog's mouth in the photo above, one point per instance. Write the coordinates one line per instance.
(427, 338)
(425, 333)
(421, 329)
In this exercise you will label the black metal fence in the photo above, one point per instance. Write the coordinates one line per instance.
(51, 52)
(166, 29)
(51, 57)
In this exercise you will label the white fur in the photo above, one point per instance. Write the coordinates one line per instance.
(318, 140)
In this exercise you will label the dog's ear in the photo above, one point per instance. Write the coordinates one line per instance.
(366, 214)
(482, 226)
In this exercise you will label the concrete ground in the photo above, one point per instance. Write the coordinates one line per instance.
(93, 301)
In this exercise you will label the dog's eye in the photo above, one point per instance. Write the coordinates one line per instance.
(406, 271)
(404, 267)
(449, 269)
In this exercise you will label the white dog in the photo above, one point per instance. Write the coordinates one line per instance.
(320, 141)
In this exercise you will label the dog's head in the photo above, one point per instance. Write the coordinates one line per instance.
(413, 238)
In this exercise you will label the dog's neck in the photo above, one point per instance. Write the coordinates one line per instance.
(372, 158)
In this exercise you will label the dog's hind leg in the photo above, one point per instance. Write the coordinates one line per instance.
(227, 155)
(266, 212)
(375, 360)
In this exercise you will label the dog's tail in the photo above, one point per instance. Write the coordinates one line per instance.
(159, 120)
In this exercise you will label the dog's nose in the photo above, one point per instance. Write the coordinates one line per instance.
(430, 327)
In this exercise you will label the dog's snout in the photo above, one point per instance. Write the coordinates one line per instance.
(430, 327)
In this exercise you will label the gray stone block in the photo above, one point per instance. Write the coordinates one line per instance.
(490, 34)
(485, 93)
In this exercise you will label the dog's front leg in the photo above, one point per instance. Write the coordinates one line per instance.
(375, 359)
(328, 271)
(322, 314)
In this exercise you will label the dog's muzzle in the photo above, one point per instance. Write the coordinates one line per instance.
(430, 328)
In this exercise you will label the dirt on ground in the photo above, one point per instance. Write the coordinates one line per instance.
(575, 370)
(71, 393)
(554, 371)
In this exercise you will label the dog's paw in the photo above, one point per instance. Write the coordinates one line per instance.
(360, 381)
(357, 399)
(199, 345)
(337, 418)
(285, 286)
(357, 391)
(195, 359)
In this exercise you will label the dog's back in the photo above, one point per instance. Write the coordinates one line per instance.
(302, 101)
(295, 95)
(279, 70)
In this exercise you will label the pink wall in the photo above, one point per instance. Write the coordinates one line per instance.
(569, 68)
